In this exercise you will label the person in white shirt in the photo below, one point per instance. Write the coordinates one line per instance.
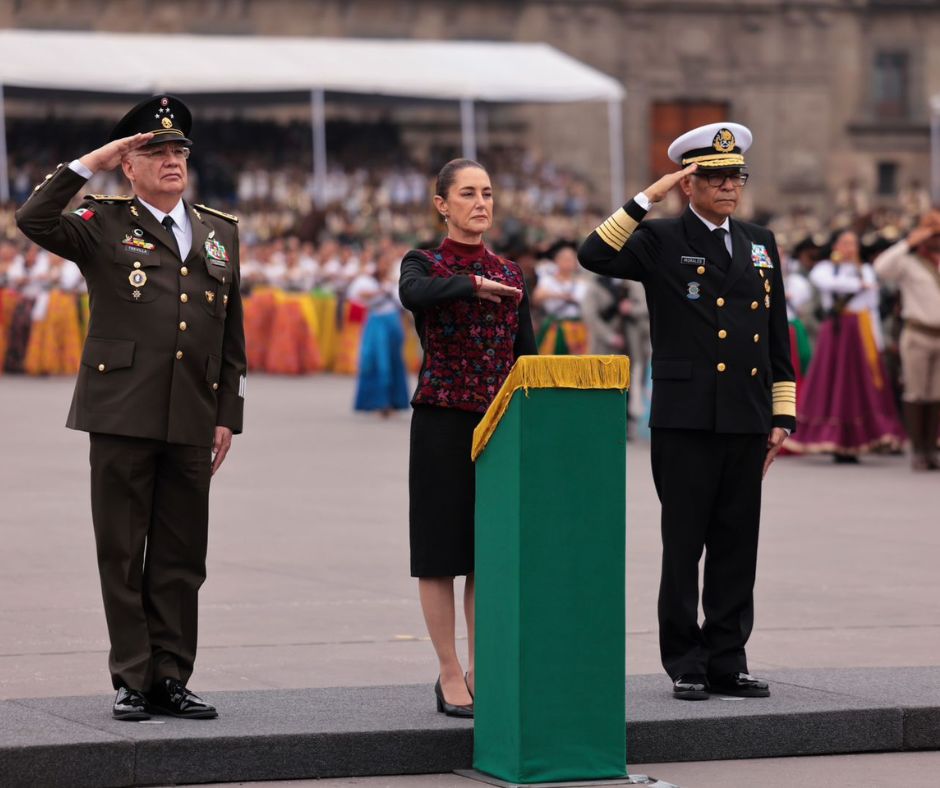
(846, 404)
(913, 264)
(559, 294)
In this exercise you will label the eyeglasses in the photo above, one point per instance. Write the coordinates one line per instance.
(719, 178)
(165, 152)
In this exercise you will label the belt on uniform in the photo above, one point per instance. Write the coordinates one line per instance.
(923, 328)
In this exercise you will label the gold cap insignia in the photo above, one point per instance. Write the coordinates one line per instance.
(166, 123)
(137, 278)
(723, 141)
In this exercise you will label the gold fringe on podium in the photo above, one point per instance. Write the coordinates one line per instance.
(551, 372)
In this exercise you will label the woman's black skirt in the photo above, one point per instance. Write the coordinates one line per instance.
(442, 487)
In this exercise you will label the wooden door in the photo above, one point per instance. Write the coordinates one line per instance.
(669, 119)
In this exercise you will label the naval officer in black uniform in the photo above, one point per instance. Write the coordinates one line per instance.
(724, 397)
(161, 389)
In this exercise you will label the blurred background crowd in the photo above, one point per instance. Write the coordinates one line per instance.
(310, 273)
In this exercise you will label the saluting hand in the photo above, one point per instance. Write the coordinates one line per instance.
(107, 157)
(774, 444)
(661, 188)
(220, 446)
(489, 290)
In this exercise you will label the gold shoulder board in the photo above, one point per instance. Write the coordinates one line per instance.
(109, 197)
(215, 212)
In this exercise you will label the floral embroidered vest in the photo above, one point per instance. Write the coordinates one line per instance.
(468, 343)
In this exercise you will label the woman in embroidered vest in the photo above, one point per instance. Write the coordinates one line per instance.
(472, 315)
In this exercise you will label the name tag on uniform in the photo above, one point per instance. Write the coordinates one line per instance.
(760, 256)
(687, 260)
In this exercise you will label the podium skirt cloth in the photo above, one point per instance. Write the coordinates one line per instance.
(442, 489)
(382, 383)
(846, 404)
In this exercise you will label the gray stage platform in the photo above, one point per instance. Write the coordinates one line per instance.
(352, 731)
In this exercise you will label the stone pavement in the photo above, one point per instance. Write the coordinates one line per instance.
(308, 560)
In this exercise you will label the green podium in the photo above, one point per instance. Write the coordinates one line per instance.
(550, 512)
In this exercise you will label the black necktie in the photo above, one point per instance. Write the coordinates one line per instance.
(168, 224)
(725, 259)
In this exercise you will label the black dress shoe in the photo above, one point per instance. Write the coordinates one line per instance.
(170, 696)
(130, 705)
(690, 686)
(739, 685)
(450, 709)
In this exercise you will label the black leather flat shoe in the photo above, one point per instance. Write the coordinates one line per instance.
(739, 685)
(450, 709)
(170, 696)
(130, 705)
(690, 686)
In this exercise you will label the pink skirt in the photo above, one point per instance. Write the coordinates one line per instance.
(846, 404)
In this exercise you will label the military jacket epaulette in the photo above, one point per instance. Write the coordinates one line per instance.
(109, 198)
(216, 212)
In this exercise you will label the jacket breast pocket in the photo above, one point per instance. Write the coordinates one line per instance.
(672, 369)
(107, 367)
(215, 297)
(132, 273)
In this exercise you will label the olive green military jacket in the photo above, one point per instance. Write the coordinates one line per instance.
(165, 353)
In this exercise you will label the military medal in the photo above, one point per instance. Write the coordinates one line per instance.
(210, 296)
(760, 257)
(215, 251)
(693, 294)
(137, 278)
(135, 243)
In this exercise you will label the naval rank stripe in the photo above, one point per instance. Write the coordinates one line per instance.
(784, 398)
(617, 228)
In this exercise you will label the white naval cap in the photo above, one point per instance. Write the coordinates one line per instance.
(714, 146)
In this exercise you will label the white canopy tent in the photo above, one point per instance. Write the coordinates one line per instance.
(462, 71)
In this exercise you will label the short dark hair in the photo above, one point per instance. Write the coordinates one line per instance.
(448, 174)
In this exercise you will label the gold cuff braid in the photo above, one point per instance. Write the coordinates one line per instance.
(784, 396)
(617, 228)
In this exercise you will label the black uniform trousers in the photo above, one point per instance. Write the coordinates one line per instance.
(709, 485)
(150, 508)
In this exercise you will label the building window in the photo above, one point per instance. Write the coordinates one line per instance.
(887, 179)
(890, 85)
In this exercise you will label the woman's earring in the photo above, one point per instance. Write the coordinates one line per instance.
(444, 217)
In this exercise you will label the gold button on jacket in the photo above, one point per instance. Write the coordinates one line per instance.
(703, 328)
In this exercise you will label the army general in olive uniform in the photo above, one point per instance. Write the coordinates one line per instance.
(160, 390)
(724, 397)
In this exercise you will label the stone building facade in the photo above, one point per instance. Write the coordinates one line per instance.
(837, 92)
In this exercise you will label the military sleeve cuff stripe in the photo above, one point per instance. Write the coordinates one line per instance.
(617, 228)
(608, 239)
(615, 232)
(784, 398)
